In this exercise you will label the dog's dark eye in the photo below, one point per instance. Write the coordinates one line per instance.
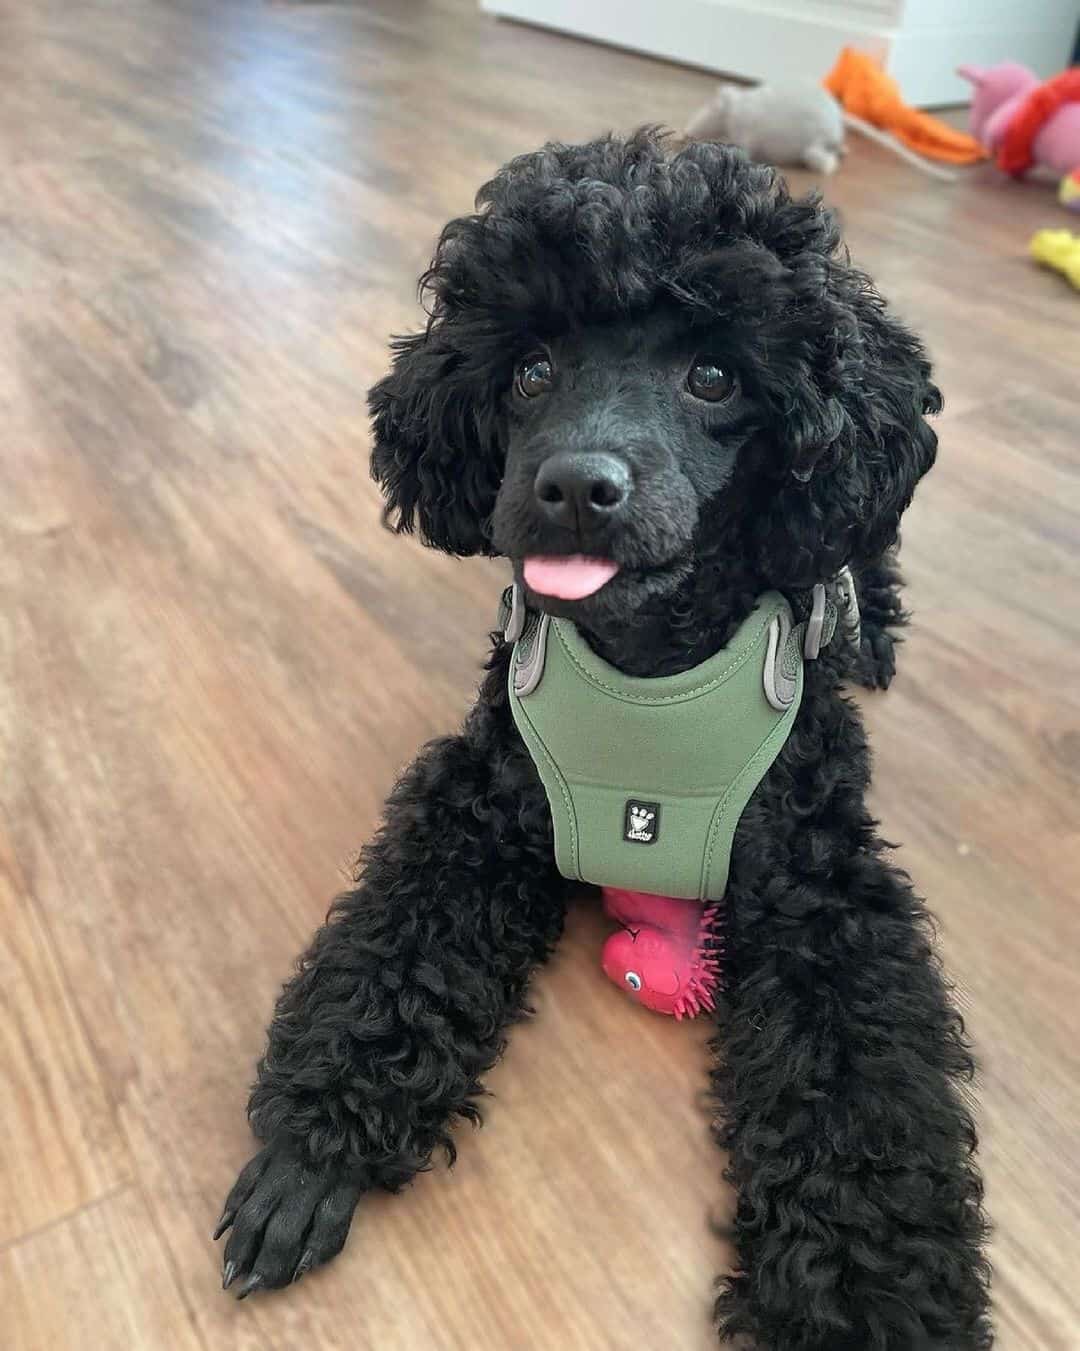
(535, 375)
(709, 380)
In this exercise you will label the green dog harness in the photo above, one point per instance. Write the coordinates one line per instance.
(647, 777)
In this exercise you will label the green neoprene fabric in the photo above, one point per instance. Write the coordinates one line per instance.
(690, 749)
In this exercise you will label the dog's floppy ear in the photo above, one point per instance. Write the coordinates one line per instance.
(436, 444)
(854, 430)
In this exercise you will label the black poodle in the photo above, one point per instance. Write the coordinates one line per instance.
(660, 367)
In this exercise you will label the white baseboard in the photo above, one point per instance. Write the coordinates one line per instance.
(728, 38)
(768, 41)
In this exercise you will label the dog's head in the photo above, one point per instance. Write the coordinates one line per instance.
(634, 358)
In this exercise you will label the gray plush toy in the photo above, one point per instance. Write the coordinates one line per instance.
(798, 123)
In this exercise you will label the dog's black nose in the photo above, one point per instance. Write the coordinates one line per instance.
(579, 489)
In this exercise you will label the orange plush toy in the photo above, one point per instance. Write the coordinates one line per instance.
(867, 93)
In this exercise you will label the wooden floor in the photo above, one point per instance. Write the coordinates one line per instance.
(213, 661)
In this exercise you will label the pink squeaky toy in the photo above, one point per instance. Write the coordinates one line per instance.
(664, 955)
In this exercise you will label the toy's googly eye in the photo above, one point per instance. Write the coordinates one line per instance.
(633, 980)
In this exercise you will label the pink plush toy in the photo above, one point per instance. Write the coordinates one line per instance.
(1024, 122)
(665, 955)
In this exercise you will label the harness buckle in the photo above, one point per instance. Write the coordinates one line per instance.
(515, 620)
(530, 653)
(815, 625)
(831, 608)
(848, 605)
(778, 681)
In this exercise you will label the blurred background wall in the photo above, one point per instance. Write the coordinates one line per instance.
(919, 41)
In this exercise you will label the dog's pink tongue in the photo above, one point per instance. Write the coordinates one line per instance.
(568, 578)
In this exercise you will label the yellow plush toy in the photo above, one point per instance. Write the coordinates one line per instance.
(1059, 249)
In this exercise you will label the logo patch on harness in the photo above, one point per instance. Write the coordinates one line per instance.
(642, 822)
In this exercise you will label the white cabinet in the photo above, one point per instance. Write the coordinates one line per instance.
(920, 41)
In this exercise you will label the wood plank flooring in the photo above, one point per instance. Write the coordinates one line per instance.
(213, 662)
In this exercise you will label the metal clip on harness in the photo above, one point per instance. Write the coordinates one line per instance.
(827, 613)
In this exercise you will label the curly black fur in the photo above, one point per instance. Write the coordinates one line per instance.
(839, 1059)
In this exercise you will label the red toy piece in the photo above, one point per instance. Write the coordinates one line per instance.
(1024, 122)
(666, 955)
(1016, 153)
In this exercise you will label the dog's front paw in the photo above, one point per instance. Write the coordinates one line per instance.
(286, 1217)
(877, 658)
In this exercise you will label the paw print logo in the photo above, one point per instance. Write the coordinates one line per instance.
(642, 823)
(639, 818)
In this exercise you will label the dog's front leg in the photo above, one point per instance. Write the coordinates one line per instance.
(379, 1041)
(858, 1217)
(881, 608)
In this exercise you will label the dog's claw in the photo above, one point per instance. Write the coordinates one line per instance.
(227, 1217)
(288, 1216)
